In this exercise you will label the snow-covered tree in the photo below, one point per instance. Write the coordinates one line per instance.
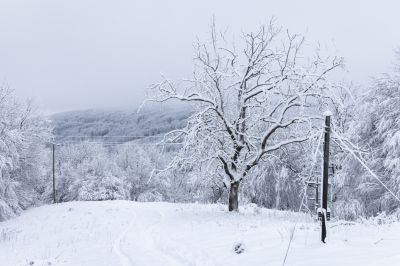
(250, 102)
(137, 163)
(23, 136)
(93, 171)
(378, 131)
(87, 171)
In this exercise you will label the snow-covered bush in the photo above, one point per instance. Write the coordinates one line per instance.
(136, 164)
(106, 187)
(87, 171)
(150, 196)
(92, 171)
(347, 209)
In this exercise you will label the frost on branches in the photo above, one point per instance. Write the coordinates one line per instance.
(94, 172)
(379, 132)
(23, 136)
(250, 102)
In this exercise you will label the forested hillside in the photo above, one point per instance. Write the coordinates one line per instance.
(118, 125)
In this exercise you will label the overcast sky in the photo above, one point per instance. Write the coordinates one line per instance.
(80, 54)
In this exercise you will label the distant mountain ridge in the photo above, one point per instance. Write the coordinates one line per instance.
(117, 125)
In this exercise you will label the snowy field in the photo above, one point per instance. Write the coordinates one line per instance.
(128, 233)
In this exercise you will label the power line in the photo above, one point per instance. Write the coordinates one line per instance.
(117, 143)
(116, 136)
(365, 165)
(304, 195)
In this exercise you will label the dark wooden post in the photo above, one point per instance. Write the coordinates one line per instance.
(324, 198)
(54, 174)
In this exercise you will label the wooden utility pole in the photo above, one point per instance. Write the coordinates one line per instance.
(324, 198)
(54, 173)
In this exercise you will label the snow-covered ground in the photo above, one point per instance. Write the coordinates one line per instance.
(129, 233)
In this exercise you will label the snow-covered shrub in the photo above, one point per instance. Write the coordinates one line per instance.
(381, 218)
(106, 187)
(88, 171)
(9, 199)
(279, 182)
(92, 171)
(136, 164)
(150, 196)
(350, 209)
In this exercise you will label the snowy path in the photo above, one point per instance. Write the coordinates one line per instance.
(121, 233)
(139, 239)
(124, 258)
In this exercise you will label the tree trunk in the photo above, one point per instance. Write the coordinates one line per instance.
(234, 197)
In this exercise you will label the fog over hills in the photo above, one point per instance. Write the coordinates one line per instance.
(117, 125)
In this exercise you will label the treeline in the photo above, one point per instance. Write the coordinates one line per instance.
(141, 172)
(117, 125)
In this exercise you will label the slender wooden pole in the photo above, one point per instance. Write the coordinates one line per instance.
(54, 174)
(317, 194)
(324, 198)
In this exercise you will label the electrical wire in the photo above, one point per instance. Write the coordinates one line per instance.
(365, 166)
(304, 195)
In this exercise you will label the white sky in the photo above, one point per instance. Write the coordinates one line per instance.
(79, 54)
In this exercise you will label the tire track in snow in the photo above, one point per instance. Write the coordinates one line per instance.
(176, 251)
(123, 258)
(139, 238)
(151, 243)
